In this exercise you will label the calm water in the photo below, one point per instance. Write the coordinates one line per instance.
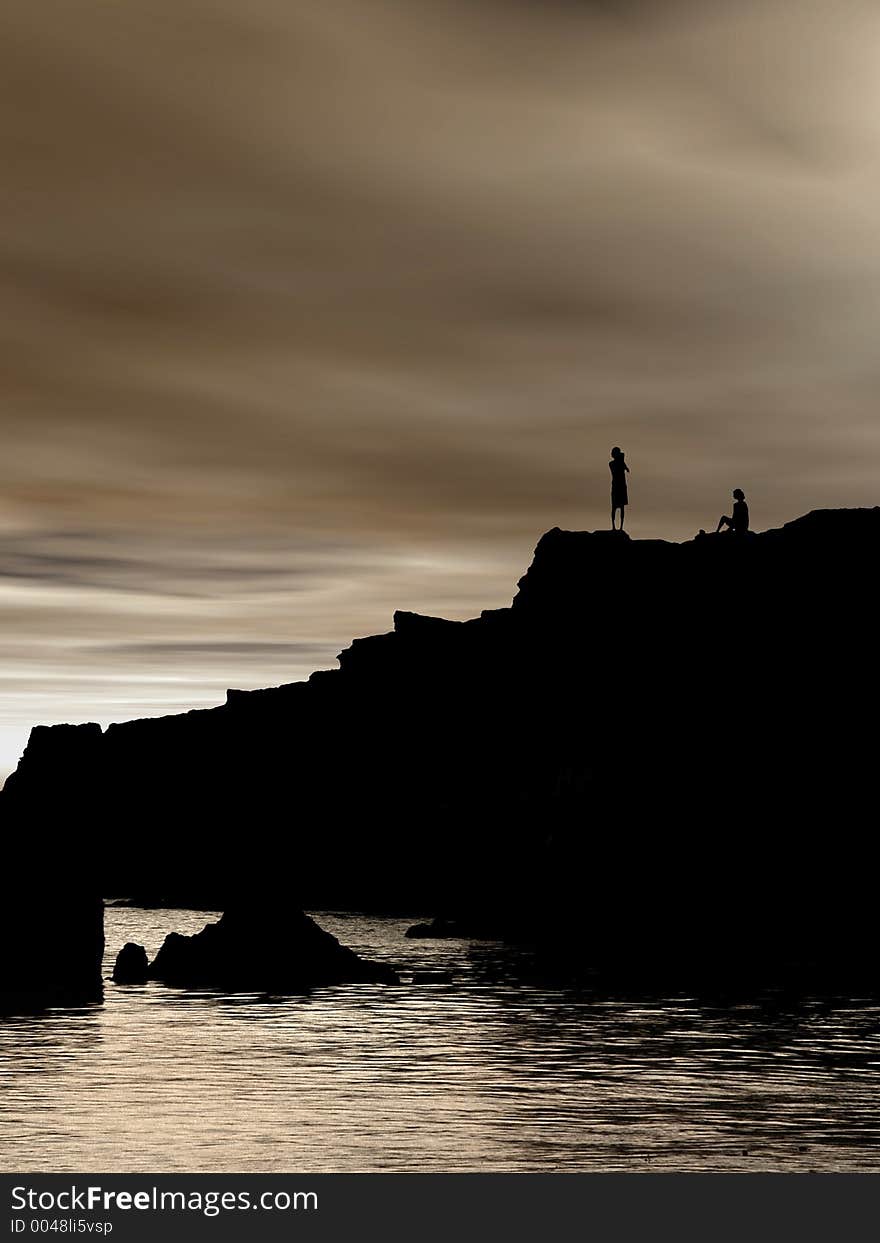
(482, 1074)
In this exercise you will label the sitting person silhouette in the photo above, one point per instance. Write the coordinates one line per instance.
(619, 498)
(739, 523)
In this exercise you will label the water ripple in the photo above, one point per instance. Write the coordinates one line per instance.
(482, 1074)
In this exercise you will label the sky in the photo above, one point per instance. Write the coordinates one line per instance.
(315, 309)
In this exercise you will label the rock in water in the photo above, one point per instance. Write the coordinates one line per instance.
(52, 940)
(132, 965)
(253, 948)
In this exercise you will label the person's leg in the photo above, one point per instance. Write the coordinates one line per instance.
(622, 515)
(723, 522)
(613, 515)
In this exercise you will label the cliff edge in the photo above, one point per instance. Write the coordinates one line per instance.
(660, 756)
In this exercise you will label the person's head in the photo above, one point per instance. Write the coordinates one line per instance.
(738, 494)
(615, 452)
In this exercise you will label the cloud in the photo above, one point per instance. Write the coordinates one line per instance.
(311, 310)
(195, 649)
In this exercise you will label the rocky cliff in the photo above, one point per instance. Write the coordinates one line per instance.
(661, 756)
(52, 939)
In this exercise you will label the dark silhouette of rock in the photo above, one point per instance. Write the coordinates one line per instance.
(132, 965)
(645, 792)
(258, 948)
(51, 914)
(433, 977)
(52, 938)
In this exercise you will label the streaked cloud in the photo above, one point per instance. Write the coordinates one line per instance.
(310, 311)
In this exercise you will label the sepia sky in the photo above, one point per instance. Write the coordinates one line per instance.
(314, 309)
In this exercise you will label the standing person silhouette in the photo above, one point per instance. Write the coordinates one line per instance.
(739, 522)
(619, 498)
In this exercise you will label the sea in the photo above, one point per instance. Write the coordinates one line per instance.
(483, 1071)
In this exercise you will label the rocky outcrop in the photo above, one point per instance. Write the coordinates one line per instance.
(659, 760)
(132, 965)
(52, 940)
(256, 948)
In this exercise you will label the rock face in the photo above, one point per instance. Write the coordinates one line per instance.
(132, 965)
(52, 942)
(658, 763)
(253, 948)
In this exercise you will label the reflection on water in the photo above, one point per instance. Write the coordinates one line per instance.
(482, 1074)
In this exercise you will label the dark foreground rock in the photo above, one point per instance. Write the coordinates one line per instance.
(658, 763)
(132, 965)
(256, 950)
(51, 944)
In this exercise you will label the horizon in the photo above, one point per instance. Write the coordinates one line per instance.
(349, 334)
